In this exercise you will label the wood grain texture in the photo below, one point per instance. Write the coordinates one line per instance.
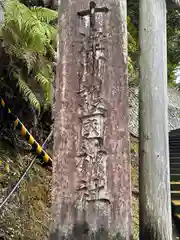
(155, 205)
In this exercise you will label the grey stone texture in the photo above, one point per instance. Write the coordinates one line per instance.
(173, 110)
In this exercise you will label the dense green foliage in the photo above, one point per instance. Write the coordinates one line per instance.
(173, 33)
(28, 41)
(173, 39)
(133, 72)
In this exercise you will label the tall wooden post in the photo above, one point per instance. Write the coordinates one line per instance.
(91, 174)
(155, 204)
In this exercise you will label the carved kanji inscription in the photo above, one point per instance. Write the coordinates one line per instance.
(92, 127)
(92, 161)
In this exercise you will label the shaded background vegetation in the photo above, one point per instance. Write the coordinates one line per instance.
(173, 41)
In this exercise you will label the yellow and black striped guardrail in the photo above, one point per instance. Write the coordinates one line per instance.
(43, 156)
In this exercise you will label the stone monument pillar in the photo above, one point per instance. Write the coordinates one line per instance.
(91, 177)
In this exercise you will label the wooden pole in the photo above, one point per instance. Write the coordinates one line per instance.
(155, 202)
(91, 191)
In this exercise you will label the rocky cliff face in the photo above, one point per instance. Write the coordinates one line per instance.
(173, 110)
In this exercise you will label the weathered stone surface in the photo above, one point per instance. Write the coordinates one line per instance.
(91, 173)
(173, 110)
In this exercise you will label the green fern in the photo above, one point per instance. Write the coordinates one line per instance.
(47, 87)
(27, 93)
(29, 40)
(44, 14)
